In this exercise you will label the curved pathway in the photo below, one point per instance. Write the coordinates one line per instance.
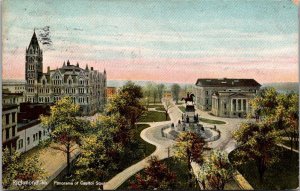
(153, 136)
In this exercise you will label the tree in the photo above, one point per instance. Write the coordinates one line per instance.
(168, 105)
(175, 89)
(265, 103)
(189, 147)
(257, 142)
(65, 129)
(287, 116)
(121, 131)
(127, 103)
(18, 168)
(280, 108)
(155, 176)
(147, 91)
(155, 93)
(216, 171)
(98, 155)
(160, 90)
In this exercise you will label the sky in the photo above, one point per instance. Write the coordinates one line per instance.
(167, 41)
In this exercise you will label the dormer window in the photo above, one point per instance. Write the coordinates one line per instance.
(70, 82)
(44, 82)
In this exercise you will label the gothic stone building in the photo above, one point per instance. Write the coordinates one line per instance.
(225, 97)
(86, 86)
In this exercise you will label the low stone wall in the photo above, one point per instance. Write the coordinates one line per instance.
(242, 182)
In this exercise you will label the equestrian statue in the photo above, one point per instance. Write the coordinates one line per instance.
(189, 97)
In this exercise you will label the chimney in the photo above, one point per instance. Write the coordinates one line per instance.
(92, 68)
(77, 64)
(48, 69)
(68, 63)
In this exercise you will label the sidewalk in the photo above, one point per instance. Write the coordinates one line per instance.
(286, 147)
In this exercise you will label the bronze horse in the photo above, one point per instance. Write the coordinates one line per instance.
(189, 97)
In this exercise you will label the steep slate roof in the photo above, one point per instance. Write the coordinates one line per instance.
(34, 42)
(226, 82)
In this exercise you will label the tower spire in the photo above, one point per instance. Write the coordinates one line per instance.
(34, 41)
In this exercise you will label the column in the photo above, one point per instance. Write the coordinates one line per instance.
(231, 105)
(242, 104)
(236, 104)
(247, 106)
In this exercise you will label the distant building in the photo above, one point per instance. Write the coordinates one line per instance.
(12, 98)
(110, 91)
(167, 95)
(225, 97)
(86, 87)
(14, 86)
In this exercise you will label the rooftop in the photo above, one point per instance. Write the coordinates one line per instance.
(226, 82)
(6, 82)
(27, 124)
(6, 107)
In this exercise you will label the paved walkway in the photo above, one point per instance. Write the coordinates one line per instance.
(226, 141)
(286, 147)
(152, 135)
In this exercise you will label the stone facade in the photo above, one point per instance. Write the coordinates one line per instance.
(86, 87)
(218, 95)
(232, 104)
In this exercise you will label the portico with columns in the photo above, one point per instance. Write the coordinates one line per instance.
(231, 104)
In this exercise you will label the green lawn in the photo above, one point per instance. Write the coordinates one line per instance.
(160, 108)
(153, 116)
(288, 144)
(154, 106)
(211, 121)
(281, 175)
(182, 108)
(174, 165)
(146, 147)
(136, 151)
